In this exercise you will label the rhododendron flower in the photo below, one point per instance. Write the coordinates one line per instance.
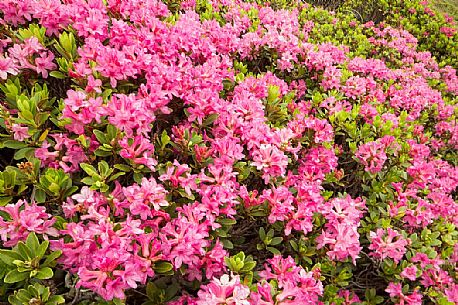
(20, 132)
(263, 295)
(140, 151)
(271, 161)
(226, 290)
(44, 63)
(395, 291)
(372, 155)
(349, 297)
(388, 243)
(436, 277)
(128, 113)
(23, 218)
(145, 197)
(7, 66)
(70, 161)
(343, 215)
(452, 293)
(295, 283)
(410, 273)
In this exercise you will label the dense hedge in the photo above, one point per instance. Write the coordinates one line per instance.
(227, 152)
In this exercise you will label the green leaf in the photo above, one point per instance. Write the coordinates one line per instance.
(51, 258)
(41, 250)
(270, 234)
(89, 169)
(102, 153)
(14, 144)
(227, 222)
(22, 153)
(123, 167)
(24, 251)
(15, 276)
(273, 250)
(55, 299)
(44, 273)
(32, 243)
(294, 245)
(276, 240)
(262, 233)
(8, 256)
(210, 119)
(112, 131)
(13, 301)
(57, 74)
(165, 139)
(162, 267)
(152, 291)
(171, 291)
(100, 136)
(88, 180)
(248, 266)
(227, 243)
(40, 195)
(258, 212)
(5, 200)
(104, 168)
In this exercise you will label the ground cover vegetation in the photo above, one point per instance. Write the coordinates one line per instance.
(227, 152)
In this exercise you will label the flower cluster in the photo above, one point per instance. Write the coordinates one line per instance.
(388, 243)
(341, 230)
(23, 218)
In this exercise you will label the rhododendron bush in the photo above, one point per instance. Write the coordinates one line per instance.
(225, 152)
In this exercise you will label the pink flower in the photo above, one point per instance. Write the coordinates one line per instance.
(271, 161)
(263, 296)
(74, 153)
(280, 201)
(19, 222)
(140, 151)
(395, 291)
(372, 155)
(128, 113)
(7, 66)
(410, 273)
(224, 291)
(349, 297)
(448, 31)
(295, 283)
(20, 132)
(93, 85)
(340, 234)
(145, 197)
(45, 63)
(388, 243)
(452, 293)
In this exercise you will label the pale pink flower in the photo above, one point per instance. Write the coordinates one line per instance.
(7, 66)
(20, 132)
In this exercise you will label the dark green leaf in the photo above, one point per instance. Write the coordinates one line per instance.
(273, 250)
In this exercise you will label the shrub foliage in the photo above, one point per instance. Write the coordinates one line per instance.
(227, 152)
